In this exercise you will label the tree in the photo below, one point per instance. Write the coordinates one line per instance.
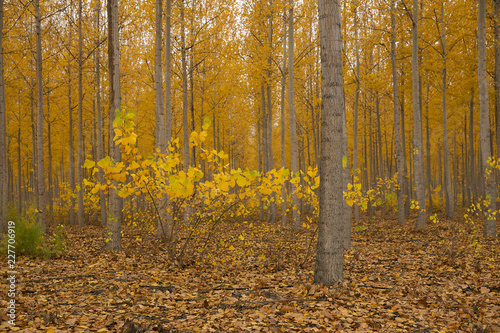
(329, 257)
(448, 192)
(397, 127)
(291, 114)
(41, 202)
(3, 135)
(418, 147)
(113, 227)
(79, 166)
(486, 154)
(100, 144)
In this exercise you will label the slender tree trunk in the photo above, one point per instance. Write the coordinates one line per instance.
(497, 84)
(356, 104)
(168, 75)
(79, 165)
(472, 155)
(100, 144)
(49, 142)
(166, 227)
(259, 167)
(114, 240)
(329, 258)
(397, 129)
(490, 224)
(448, 191)
(282, 118)
(418, 151)
(428, 152)
(291, 115)
(185, 123)
(39, 128)
(273, 207)
(3, 137)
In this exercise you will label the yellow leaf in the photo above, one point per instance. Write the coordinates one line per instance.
(241, 237)
(231, 248)
(365, 278)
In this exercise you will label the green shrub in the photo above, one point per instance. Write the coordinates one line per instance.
(30, 239)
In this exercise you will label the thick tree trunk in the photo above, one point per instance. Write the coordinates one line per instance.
(39, 128)
(418, 151)
(329, 258)
(486, 154)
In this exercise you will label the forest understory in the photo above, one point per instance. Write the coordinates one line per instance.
(261, 279)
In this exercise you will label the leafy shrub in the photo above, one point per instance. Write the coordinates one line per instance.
(30, 239)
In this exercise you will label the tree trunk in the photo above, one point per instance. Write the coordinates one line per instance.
(428, 152)
(282, 118)
(273, 207)
(114, 239)
(39, 128)
(448, 191)
(329, 258)
(100, 144)
(291, 115)
(3, 137)
(486, 155)
(356, 105)
(418, 151)
(185, 123)
(472, 155)
(79, 166)
(397, 129)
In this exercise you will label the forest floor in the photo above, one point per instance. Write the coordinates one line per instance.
(396, 279)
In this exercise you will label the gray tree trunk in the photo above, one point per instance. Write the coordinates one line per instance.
(114, 239)
(448, 191)
(330, 250)
(397, 127)
(490, 224)
(100, 144)
(39, 121)
(79, 166)
(273, 207)
(356, 103)
(3, 137)
(282, 117)
(291, 114)
(418, 151)
(185, 123)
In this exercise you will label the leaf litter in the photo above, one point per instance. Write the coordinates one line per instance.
(397, 279)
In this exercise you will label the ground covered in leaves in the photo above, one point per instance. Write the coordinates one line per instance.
(257, 278)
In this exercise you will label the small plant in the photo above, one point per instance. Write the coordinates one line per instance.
(29, 237)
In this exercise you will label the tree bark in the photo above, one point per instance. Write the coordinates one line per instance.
(39, 128)
(100, 144)
(291, 115)
(356, 104)
(418, 151)
(79, 166)
(113, 226)
(397, 127)
(486, 154)
(3, 137)
(448, 191)
(282, 117)
(329, 258)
